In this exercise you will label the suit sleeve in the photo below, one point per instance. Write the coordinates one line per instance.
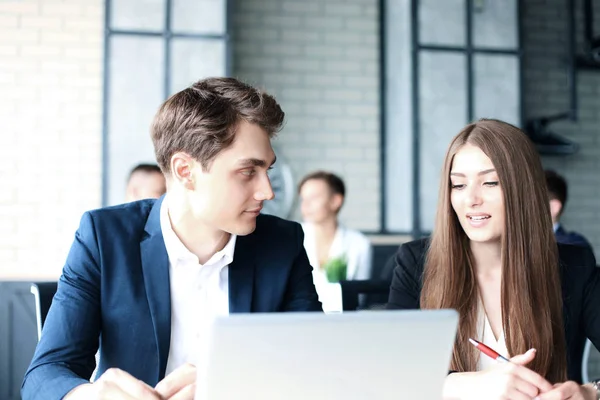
(406, 287)
(301, 294)
(64, 357)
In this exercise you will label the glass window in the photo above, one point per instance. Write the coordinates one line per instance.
(495, 24)
(194, 59)
(199, 16)
(398, 118)
(145, 15)
(443, 113)
(135, 92)
(496, 83)
(442, 22)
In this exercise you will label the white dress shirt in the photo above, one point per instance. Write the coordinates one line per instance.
(199, 293)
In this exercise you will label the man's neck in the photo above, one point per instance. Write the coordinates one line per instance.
(203, 241)
(326, 228)
(555, 225)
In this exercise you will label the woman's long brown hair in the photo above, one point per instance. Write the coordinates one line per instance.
(531, 291)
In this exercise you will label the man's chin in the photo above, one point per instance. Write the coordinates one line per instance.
(245, 228)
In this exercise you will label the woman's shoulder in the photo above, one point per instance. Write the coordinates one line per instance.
(417, 245)
(411, 255)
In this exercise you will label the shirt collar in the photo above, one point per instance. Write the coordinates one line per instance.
(177, 251)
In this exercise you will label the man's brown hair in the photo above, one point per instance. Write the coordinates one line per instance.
(335, 183)
(202, 119)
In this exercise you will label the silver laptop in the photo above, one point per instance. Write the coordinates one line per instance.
(299, 356)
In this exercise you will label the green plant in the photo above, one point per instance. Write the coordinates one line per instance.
(335, 269)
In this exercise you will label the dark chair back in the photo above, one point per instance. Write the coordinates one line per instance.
(356, 294)
(381, 256)
(43, 292)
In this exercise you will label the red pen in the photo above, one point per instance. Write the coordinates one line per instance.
(488, 351)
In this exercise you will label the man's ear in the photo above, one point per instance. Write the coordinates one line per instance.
(335, 202)
(182, 166)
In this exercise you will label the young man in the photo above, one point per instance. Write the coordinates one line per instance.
(144, 279)
(146, 181)
(558, 192)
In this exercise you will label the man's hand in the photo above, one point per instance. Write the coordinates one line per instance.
(114, 384)
(179, 384)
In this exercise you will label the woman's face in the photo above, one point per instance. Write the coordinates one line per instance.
(476, 195)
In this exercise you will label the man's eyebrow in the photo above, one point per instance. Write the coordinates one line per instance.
(254, 162)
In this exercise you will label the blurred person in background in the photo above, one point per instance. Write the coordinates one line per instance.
(146, 181)
(558, 191)
(335, 252)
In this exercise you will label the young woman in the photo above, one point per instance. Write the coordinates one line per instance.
(493, 257)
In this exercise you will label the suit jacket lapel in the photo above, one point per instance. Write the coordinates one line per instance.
(241, 276)
(155, 266)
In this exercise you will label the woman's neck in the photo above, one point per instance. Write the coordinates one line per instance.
(487, 257)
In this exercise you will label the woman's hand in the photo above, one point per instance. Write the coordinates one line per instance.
(506, 381)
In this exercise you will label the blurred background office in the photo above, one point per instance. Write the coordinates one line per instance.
(372, 89)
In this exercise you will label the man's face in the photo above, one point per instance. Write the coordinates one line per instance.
(145, 185)
(555, 210)
(317, 202)
(230, 195)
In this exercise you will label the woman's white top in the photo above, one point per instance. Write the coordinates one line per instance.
(486, 336)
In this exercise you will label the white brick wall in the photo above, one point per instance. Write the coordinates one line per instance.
(320, 59)
(50, 126)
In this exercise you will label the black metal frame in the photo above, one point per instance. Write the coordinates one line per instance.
(417, 47)
(168, 35)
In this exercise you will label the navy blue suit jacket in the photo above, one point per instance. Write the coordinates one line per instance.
(114, 293)
(574, 238)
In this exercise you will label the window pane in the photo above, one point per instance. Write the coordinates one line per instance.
(136, 79)
(199, 16)
(398, 117)
(194, 59)
(442, 114)
(495, 24)
(145, 15)
(496, 82)
(442, 22)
